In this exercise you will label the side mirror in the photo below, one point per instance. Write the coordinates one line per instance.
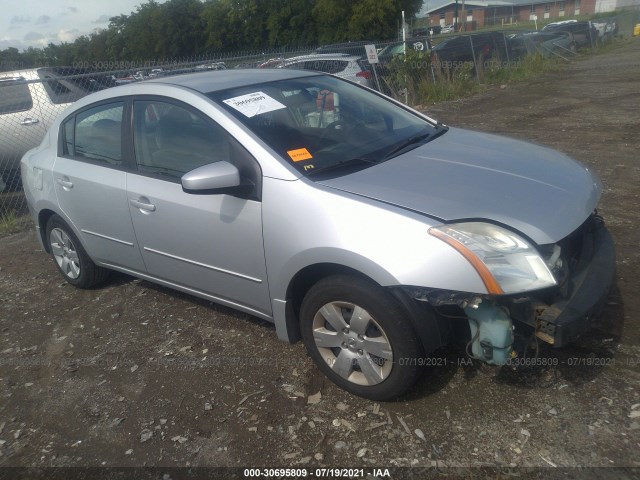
(213, 176)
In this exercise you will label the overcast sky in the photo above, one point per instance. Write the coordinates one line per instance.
(35, 23)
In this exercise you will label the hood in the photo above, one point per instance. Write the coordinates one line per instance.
(466, 175)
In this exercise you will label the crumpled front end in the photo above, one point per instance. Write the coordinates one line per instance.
(583, 265)
(585, 273)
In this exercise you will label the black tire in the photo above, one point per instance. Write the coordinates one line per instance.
(73, 262)
(387, 329)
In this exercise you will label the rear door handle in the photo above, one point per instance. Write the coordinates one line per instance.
(65, 183)
(147, 207)
(29, 121)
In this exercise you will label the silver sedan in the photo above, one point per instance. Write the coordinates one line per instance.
(368, 230)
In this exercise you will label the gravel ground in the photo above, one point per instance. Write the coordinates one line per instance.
(132, 374)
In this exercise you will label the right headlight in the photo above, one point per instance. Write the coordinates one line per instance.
(506, 262)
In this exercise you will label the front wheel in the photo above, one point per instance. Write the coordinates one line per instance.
(70, 258)
(360, 338)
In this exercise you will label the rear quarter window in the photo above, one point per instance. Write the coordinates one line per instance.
(62, 91)
(327, 66)
(14, 96)
(95, 134)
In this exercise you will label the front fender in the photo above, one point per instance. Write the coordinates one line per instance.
(306, 224)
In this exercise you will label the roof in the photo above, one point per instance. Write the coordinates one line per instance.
(29, 74)
(323, 56)
(488, 3)
(205, 82)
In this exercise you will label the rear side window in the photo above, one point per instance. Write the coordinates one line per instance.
(62, 91)
(327, 66)
(95, 134)
(14, 95)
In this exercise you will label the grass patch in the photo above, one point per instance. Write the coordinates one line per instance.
(13, 221)
(611, 45)
(425, 85)
(521, 70)
(9, 223)
(428, 92)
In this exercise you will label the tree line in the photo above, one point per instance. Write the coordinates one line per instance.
(191, 28)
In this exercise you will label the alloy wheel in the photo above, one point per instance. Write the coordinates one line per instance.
(352, 343)
(65, 253)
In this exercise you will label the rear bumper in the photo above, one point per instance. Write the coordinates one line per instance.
(565, 320)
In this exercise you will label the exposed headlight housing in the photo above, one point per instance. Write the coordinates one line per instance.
(506, 262)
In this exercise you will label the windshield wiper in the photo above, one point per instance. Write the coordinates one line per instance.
(343, 164)
(416, 140)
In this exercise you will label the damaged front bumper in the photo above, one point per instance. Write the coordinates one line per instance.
(556, 315)
(565, 319)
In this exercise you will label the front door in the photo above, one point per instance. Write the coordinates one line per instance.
(209, 243)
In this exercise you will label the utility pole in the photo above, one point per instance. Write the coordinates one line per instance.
(404, 51)
(455, 16)
(464, 17)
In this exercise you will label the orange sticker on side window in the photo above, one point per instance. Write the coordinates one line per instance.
(299, 155)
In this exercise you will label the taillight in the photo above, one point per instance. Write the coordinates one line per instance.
(364, 74)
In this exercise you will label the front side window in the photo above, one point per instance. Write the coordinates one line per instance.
(14, 95)
(171, 140)
(320, 121)
(97, 135)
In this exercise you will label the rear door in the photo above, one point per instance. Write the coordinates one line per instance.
(90, 183)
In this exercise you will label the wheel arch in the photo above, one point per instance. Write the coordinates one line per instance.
(433, 332)
(44, 215)
(300, 284)
(43, 218)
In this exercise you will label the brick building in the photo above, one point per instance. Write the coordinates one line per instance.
(476, 14)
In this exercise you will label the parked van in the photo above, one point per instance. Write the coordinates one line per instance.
(30, 100)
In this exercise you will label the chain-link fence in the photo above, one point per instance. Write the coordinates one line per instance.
(30, 100)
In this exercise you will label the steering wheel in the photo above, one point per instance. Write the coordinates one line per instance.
(331, 127)
(336, 125)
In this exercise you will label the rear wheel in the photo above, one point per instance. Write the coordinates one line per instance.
(360, 337)
(69, 256)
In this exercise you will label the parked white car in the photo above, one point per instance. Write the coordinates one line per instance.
(349, 67)
(448, 29)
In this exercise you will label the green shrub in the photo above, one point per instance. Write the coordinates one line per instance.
(425, 83)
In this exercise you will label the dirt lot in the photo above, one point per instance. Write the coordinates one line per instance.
(132, 374)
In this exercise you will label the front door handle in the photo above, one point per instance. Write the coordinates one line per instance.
(147, 207)
(29, 121)
(65, 183)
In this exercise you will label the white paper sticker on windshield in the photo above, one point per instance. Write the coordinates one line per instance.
(254, 104)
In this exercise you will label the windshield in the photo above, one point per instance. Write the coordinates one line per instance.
(320, 122)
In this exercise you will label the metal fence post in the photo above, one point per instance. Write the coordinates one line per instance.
(473, 53)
